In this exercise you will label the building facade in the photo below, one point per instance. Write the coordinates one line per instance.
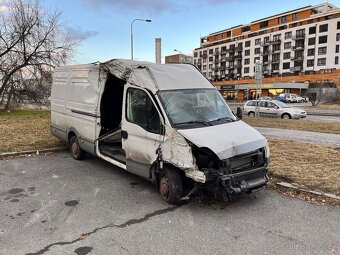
(178, 58)
(299, 46)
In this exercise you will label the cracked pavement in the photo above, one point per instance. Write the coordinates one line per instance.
(52, 204)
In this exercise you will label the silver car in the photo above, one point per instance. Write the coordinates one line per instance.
(273, 108)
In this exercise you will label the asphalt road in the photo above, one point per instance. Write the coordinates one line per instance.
(323, 118)
(328, 139)
(57, 205)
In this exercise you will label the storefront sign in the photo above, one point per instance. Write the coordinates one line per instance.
(227, 87)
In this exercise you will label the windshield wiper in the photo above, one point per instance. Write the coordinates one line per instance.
(206, 123)
(223, 118)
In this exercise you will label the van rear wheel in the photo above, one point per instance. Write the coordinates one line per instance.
(286, 116)
(251, 114)
(76, 152)
(170, 185)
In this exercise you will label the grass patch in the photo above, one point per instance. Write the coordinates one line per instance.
(301, 124)
(26, 130)
(310, 166)
(324, 106)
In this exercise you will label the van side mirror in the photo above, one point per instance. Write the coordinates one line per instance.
(239, 113)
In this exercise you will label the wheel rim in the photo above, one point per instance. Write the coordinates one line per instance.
(74, 148)
(286, 116)
(164, 187)
(251, 114)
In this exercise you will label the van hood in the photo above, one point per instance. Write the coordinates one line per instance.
(226, 140)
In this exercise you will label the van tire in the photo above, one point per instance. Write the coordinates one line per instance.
(75, 150)
(171, 185)
(286, 116)
(251, 114)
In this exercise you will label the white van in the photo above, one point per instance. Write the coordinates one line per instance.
(165, 123)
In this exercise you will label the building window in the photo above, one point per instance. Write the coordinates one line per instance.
(204, 60)
(247, 61)
(257, 50)
(323, 28)
(294, 25)
(195, 62)
(322, 51)
(204, 67)
(216, 38)
(257, 41)
(310, 21)
(294, 16)
(337, 48)
(210, 66)
(283, 19)
(247, 52)
(263, 24)
(277, 37)
(266, 39)
(286, 65)
(311, 41)
(321, 61)
(246, 70)
(286, 55)
(323, 39)
(310, 62)
(300, 32)
(256, 59)
(210, 73)
(247, 44)
(288, 35)
(311, 52)
(336, 60)
(211, 51)
(195, 55)
(312, 30)
(287, 45)
(338, 37)
(338, 25)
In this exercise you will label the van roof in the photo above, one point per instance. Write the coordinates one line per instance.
(157, 77)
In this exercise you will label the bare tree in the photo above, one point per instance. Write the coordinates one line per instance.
(33, 41)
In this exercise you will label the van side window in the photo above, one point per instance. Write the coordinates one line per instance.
(263, 104)
(141, 111)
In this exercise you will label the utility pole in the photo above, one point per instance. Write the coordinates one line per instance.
(258, 81)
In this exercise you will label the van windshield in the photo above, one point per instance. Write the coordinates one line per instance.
(193, 108)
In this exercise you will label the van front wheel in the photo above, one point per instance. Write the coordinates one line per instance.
(170, 185)
(76, 152)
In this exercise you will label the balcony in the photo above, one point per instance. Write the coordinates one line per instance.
(299, 37)
(275, 61)
(238, 65)
(266, 43)
(217, 53)
(296, 69)
(238, 56)
(276, 41)
(230, 58)
(217, 60)
(230, 67)
(216, 69)
(223, 59)
(223, 52)
(266, 62)
(265, 53)
(276, 51)
(275, 71)
(231, 49)
(222, 68)
(298, 47)
(238, 48)
(297, 58)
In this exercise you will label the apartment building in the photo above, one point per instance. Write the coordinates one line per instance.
(178, 58)
(297, 48)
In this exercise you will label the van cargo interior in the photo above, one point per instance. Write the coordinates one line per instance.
(110, 138)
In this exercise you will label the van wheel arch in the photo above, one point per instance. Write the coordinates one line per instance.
(169, 182)
(76, 151)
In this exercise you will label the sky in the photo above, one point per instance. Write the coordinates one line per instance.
(105, 24)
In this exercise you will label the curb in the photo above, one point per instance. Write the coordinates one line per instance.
(16, 153)
(289, 185)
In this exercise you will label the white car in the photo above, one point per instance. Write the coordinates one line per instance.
(273, 108)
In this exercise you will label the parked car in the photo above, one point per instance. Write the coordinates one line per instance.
(289, 97)
(273, 108)
(298, 98)
(281, 99)
(305, 99)
(265, 98)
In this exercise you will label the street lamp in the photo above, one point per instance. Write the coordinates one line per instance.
(146, 20)
(178, 51)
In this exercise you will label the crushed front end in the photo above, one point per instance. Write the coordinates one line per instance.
(246, 172)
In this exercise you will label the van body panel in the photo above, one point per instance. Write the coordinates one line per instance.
(226, 140)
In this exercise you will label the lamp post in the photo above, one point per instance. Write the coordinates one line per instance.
(146, 20)
(178, 51)
(180, 58)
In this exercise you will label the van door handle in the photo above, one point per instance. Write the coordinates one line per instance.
(124, 134)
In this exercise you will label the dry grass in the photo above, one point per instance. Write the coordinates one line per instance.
(311, 166)
(301, 124)
(325, 106)
(26, 130)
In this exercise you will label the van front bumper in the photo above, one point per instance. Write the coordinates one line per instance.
(247, 181)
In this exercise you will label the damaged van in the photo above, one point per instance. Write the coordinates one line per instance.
(165, 123)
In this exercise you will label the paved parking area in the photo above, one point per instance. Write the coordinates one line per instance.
(56, 205)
